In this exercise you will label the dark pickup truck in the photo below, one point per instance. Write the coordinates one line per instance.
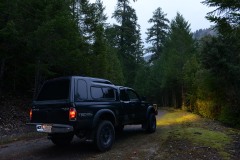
(90, 108)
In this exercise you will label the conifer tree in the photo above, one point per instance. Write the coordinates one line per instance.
(178, 50)
(157, 33)
(129, 43)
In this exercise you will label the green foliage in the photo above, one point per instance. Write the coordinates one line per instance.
(147, 82)
(218, 77)
(127, 39)
(202, 77)
(46, 39)
(9, 37)
(206, 108)
(220, 59)
(141, 80)
(179, 49)
(114, 70)
(190, 70)
(157, 33)
(226, 15)
(51, 43)
(102, 57)
(171, 78)
(229, 116)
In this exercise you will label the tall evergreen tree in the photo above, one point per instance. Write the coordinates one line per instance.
(99, 44)
(157, 33)
(101, 58)
(178, 50)
(129, 43)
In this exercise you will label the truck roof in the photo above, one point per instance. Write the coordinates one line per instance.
(91, 79)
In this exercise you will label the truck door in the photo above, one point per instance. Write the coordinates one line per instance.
(137, 108)
(127, 108)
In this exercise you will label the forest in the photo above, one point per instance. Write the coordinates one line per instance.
(43, 39)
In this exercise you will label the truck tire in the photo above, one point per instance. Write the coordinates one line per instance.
(105, 136)
(151, 123)
(61, 139)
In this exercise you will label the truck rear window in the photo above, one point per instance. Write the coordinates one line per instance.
(54, 90)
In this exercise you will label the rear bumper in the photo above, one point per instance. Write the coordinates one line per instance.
(52, 128)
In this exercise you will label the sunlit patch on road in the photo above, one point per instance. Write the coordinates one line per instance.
(179, 117)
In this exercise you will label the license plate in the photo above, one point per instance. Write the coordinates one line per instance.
(44, 128)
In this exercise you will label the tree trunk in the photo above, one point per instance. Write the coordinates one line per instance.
(174, 99)
(183, 98)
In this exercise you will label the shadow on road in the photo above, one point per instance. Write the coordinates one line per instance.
(78, 150)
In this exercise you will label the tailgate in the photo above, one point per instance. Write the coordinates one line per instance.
(51, 112)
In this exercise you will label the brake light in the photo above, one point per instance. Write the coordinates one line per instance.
(72, 114)
(30, 114)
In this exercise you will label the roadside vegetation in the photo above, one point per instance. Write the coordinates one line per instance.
(199, 133)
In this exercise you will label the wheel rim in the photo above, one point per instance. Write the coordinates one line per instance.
(106, 136)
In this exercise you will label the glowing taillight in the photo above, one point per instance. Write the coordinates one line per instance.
(30, 114)
(72, 114)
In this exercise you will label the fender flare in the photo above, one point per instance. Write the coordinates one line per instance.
(100, 113)
(149, 110)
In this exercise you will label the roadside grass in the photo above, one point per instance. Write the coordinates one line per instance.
(187, 126)
(203, 137)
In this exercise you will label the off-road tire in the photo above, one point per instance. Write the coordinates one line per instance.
(105, 136)
(151, 123)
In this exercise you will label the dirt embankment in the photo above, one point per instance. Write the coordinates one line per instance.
(14, 113)
(179, 135)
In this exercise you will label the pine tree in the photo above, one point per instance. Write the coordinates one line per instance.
(102, 59)
(178, 50)
(129, 43)
(156, 35)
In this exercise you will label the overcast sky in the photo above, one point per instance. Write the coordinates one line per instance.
(192, 10)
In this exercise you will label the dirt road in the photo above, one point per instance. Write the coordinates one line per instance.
(180, 135)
